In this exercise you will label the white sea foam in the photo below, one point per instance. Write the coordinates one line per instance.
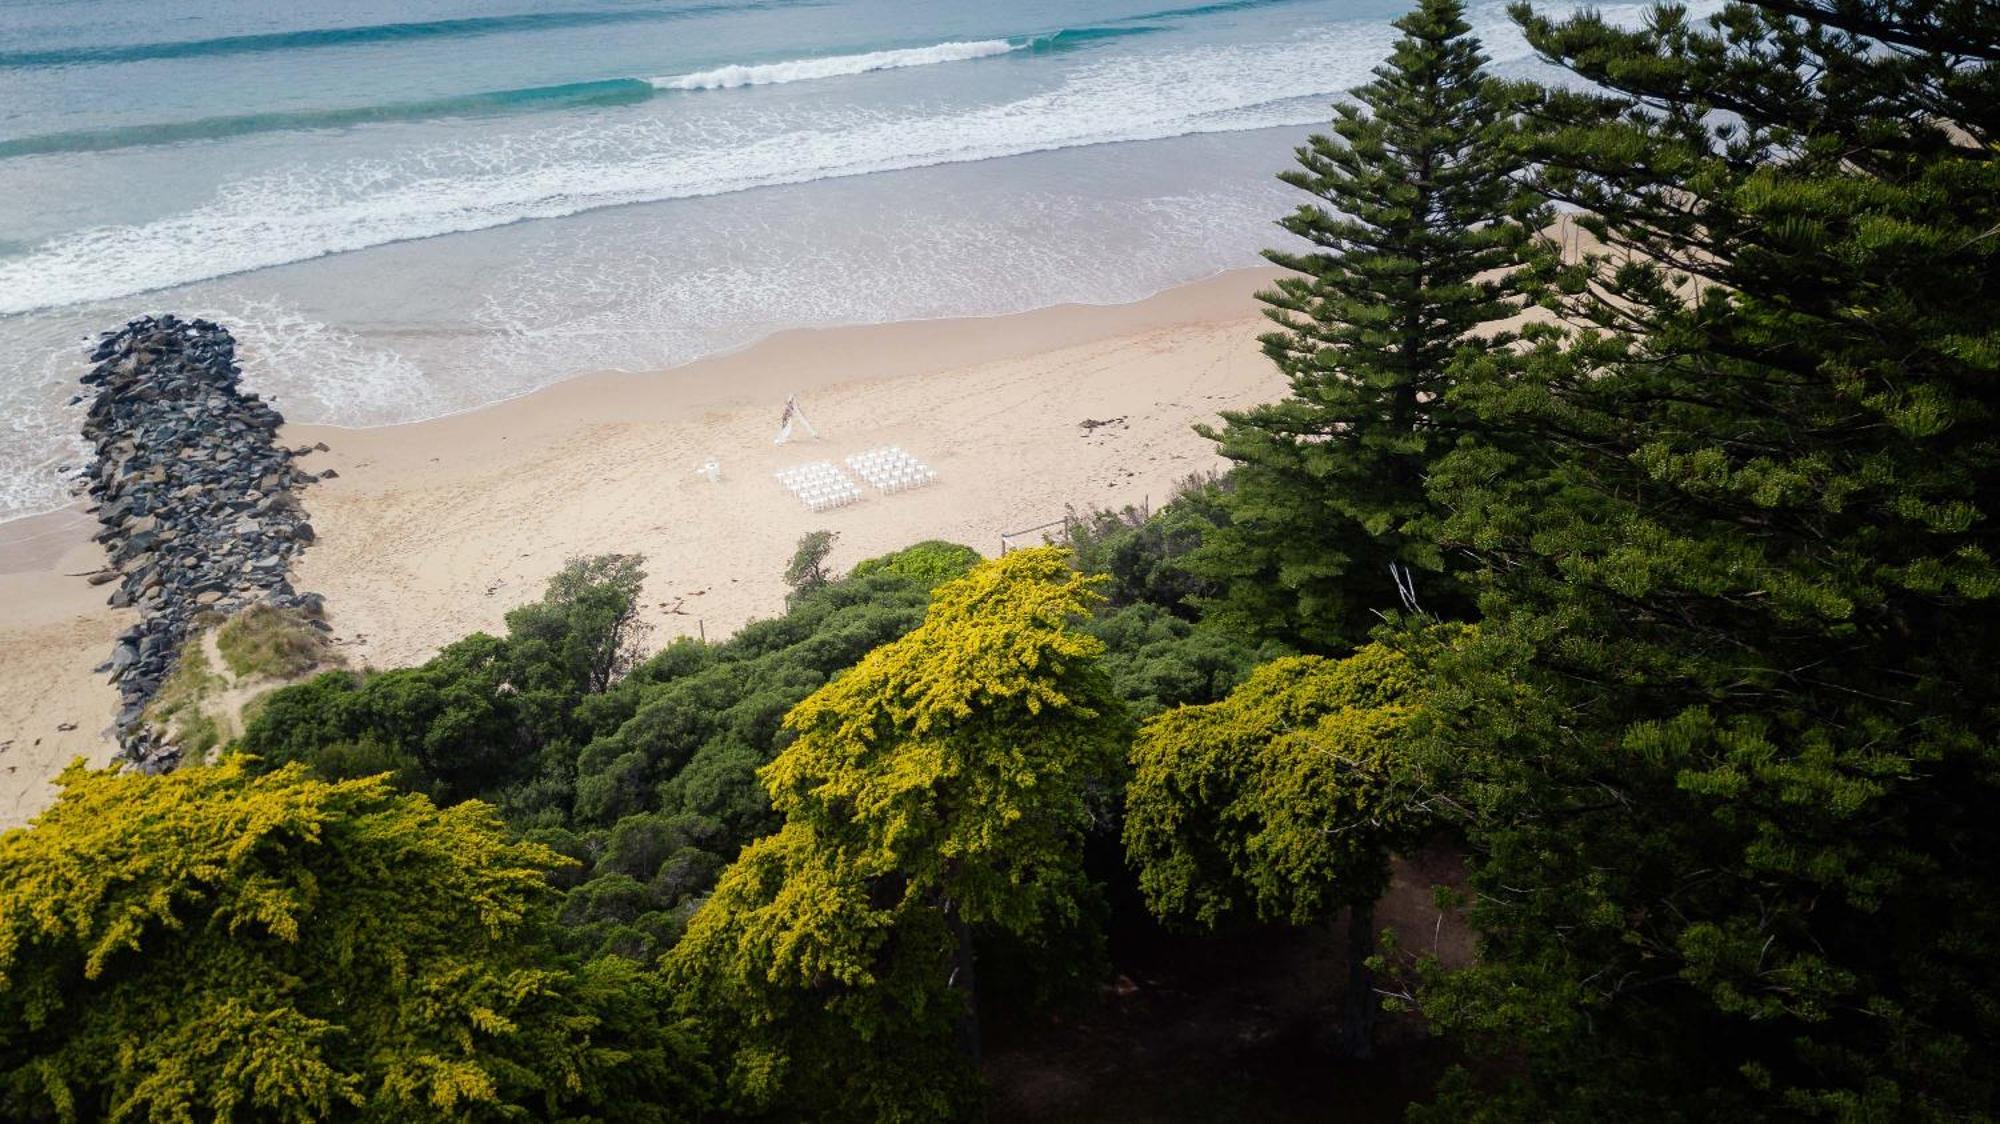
(534, 169)
(540, 170)
(833, 66)
(320, 373)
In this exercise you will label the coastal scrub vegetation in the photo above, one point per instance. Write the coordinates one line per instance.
(272, 643)
(181, 707)
(1652, 578)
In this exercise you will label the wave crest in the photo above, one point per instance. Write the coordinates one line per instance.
(834, 66)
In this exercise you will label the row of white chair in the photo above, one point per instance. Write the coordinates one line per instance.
(819, 485)
(890, 469)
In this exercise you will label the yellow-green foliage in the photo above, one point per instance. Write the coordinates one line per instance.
(941, 781)
(212, 945)
(826, 993)
(1281, 800)
(958, 755)
(278, 643)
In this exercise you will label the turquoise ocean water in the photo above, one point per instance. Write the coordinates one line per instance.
(410, 207)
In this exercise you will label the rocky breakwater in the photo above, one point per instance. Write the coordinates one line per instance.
(197, 500)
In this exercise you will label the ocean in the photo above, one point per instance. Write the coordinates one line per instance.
(405, 208)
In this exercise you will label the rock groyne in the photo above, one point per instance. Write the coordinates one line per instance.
(197, 500)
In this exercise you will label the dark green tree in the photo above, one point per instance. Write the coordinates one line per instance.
(807, 572)
(1728, 743)
(485, 711)
(448, 728)
(585, 632)
(1146, 556)
(1417, 228)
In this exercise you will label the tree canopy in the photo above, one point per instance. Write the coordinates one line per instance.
(1283, 801)
(214, 944)
(941, 784)
(1742, 556)
(1420, 230)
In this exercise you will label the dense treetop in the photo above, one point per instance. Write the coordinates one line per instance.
(215, 944)
(943, 784)
(1734, 528)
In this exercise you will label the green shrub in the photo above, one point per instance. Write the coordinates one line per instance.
(1158, 661)
(650, 781)
(1146, 556)
(487, 716)
(932, 562)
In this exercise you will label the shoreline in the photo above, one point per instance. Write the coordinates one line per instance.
(957, 320)
(431, 530)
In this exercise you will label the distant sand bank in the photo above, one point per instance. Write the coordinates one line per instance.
(434, 530)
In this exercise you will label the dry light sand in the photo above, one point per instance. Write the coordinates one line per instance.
(434, 530)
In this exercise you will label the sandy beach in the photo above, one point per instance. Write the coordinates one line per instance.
(433, 530)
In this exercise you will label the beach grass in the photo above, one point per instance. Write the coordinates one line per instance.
(273, 643)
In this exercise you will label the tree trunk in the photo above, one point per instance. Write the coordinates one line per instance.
(966, 981)
(1357, 1031)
